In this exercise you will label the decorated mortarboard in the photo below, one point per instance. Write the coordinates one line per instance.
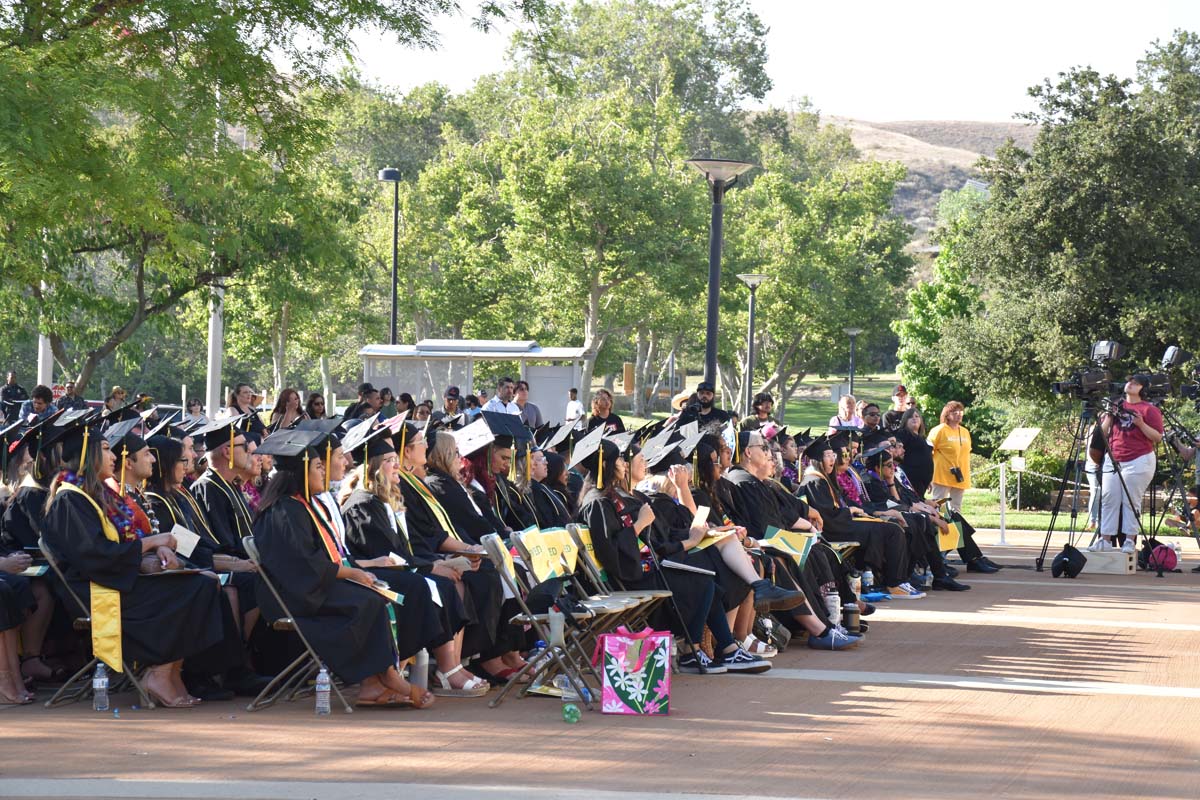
(561, 438)
(292, 448)
(170, 425)
(508, 429)
(589, 454)
(624, 441)
(659, 439)
(369, 440)
(329, 427)
(473, 437)
(661, 457)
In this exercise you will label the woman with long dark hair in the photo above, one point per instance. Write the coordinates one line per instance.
(314, 408)
(918, 452)
(334, 604)
(161, 621)
(556, 482)
(287, 411)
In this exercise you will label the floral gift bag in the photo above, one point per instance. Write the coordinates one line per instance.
(636, 671)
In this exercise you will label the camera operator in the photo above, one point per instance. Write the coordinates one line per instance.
(951, 444)
(1133, 428)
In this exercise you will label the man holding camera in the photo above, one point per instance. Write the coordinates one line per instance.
(1133, 428)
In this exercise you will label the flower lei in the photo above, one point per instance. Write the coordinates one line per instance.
(118, 513)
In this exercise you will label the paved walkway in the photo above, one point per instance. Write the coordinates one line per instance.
(1023, 687)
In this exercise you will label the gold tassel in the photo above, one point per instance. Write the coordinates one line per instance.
(232, 436)
(83, 454)
(528, 462)
(328, 461)
(696, 466)
(124, 459)
(737, 448)
(307, 494)
(600, 467)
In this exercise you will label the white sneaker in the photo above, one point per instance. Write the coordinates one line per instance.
(1128, 548)
(1100, 545)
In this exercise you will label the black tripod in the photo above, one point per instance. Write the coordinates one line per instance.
(1177, 493)
(1074, 463)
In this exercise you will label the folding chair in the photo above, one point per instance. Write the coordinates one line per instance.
(294, 678)
(648, 599)
(560, 659)
(78, 685)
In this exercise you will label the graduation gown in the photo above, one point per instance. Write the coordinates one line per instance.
(549, 508)
(164, 618)
(467, 520)
(511, 506)
(21, 524)
(347, 624)
(882, 544)
(372, 531)
(429, 527)
(671, 528)
(226, 510)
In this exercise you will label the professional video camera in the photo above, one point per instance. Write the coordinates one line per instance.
(1095, 381)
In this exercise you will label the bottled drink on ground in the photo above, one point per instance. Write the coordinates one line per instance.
(570, 699)
(323, 687)
(100, 688)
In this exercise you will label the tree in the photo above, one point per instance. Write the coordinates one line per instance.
(1094, 234)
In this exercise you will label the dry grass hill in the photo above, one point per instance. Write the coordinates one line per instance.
(939, 154)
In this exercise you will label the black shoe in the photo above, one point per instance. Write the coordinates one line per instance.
(863, 625)
(990, 563)
(951, 571)
(949, 584)
(981, 565)
(868, 611)
(698, 663)
(244, 683)
(741, 661)
(769, 597)
(209, 691)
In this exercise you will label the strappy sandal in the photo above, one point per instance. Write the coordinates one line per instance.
(48, 674)
(24, 699)
(390, 698)
(184, 701)
(758, 647)
(475, 687)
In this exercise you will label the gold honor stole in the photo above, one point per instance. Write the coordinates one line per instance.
(442, 517)
(105, 602)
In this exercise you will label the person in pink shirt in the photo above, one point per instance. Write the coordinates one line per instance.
(1133, 430)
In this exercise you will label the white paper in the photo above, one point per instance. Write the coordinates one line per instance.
(185, 540)
(700, 517)
(433, 591)
(397, 560)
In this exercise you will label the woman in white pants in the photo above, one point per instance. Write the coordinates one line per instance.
(1133, 431)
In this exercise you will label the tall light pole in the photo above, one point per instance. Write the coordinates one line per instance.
(721, 175)
(392, 175)
(853, 334)
(753, 280)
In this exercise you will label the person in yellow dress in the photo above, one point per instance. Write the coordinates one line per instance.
(951, 444)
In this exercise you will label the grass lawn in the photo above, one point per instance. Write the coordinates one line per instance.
(981, 507)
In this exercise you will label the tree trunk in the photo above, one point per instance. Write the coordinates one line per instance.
(662, 372)
(327, 383)
(787, 393)
(592, 340)
(638, 405)
(279, 339)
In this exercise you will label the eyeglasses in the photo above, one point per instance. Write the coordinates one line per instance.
(870, 413)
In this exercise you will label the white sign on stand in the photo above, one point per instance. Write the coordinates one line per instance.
(1017, 441)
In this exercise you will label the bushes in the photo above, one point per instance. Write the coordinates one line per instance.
(1036, 491)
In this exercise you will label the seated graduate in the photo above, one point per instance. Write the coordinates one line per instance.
(510, 504)
(469, 511)
(879, 481)
(882, 544)
(556, 481)
(493, 638)
(332, 603)
(549, 508)
(755, 502)
(224, 506)
(377, 537)
(28, 469)
(162, 619)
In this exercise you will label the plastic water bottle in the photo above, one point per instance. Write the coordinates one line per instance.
(868, 581)
(833, 604)
(323, 686)
(1178, 555)
(100, 688)
(570, 699)
(539, 657)
(418, 673)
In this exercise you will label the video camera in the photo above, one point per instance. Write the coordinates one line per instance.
(1095, 381)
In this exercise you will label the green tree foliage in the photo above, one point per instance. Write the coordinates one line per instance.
(1093, 235)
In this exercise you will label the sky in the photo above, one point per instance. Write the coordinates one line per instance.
(872, 60)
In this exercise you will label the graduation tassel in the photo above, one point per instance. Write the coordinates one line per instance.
(232, 436)
(528, 462)
(307, 494)
(366, 475)
(696, 467)
(124, 459)
(83, 453)
(600, 468)
(328, 461)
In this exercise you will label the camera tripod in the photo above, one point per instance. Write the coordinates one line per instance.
(1177, 493)
(1074, 464)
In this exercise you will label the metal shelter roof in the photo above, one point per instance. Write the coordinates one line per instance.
(479, 349)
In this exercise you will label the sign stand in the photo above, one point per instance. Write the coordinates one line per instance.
(1018, 441)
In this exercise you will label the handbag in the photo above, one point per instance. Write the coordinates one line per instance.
(635, 672)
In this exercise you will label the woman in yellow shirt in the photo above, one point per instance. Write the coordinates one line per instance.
(951, 444)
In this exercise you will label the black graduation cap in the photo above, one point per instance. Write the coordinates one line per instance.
(875, 439)
(17, 437)
(817, 448)
(840, 439)
(803, 439)
(591, 452)
(290, 447)
(223, 431)
(876, 456)
(121, 438)
(544, 434)
(366, 440)
(329, 427)
(172, 425)
(10, 437)
(131, 410)
(851, 432)
(508, 429)
(746, 439)
(72, 430)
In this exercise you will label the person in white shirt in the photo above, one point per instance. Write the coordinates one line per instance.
(502, 402)
(574, 413)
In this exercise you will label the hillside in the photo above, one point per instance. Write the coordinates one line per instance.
(939, 154)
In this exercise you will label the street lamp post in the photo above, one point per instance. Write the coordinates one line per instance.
(853, 334)
(753, 280)
(392, 175)
(721, 174)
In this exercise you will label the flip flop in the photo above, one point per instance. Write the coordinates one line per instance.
(390, 698)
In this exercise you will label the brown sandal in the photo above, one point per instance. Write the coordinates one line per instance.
(23, 699)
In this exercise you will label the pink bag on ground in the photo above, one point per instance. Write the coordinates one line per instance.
(635, 670)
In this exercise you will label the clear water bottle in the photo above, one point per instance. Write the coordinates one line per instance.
(323, 687)
(539, 657)
(100, 688)
(868, 581)
(1178, 555)
(570, 699)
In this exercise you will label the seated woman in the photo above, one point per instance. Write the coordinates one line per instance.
(882, 544)
(434, 536)
(16, 602)
(20, 529)
(162, 619)
(444, 476)
(549, 509)
(617, 520)
(556, 481)
(377, 533)
(341, 617)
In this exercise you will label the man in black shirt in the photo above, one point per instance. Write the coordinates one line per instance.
(11, 397)
(71, 401)
(709, 413)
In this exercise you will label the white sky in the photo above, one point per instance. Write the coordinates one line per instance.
(874, 60)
